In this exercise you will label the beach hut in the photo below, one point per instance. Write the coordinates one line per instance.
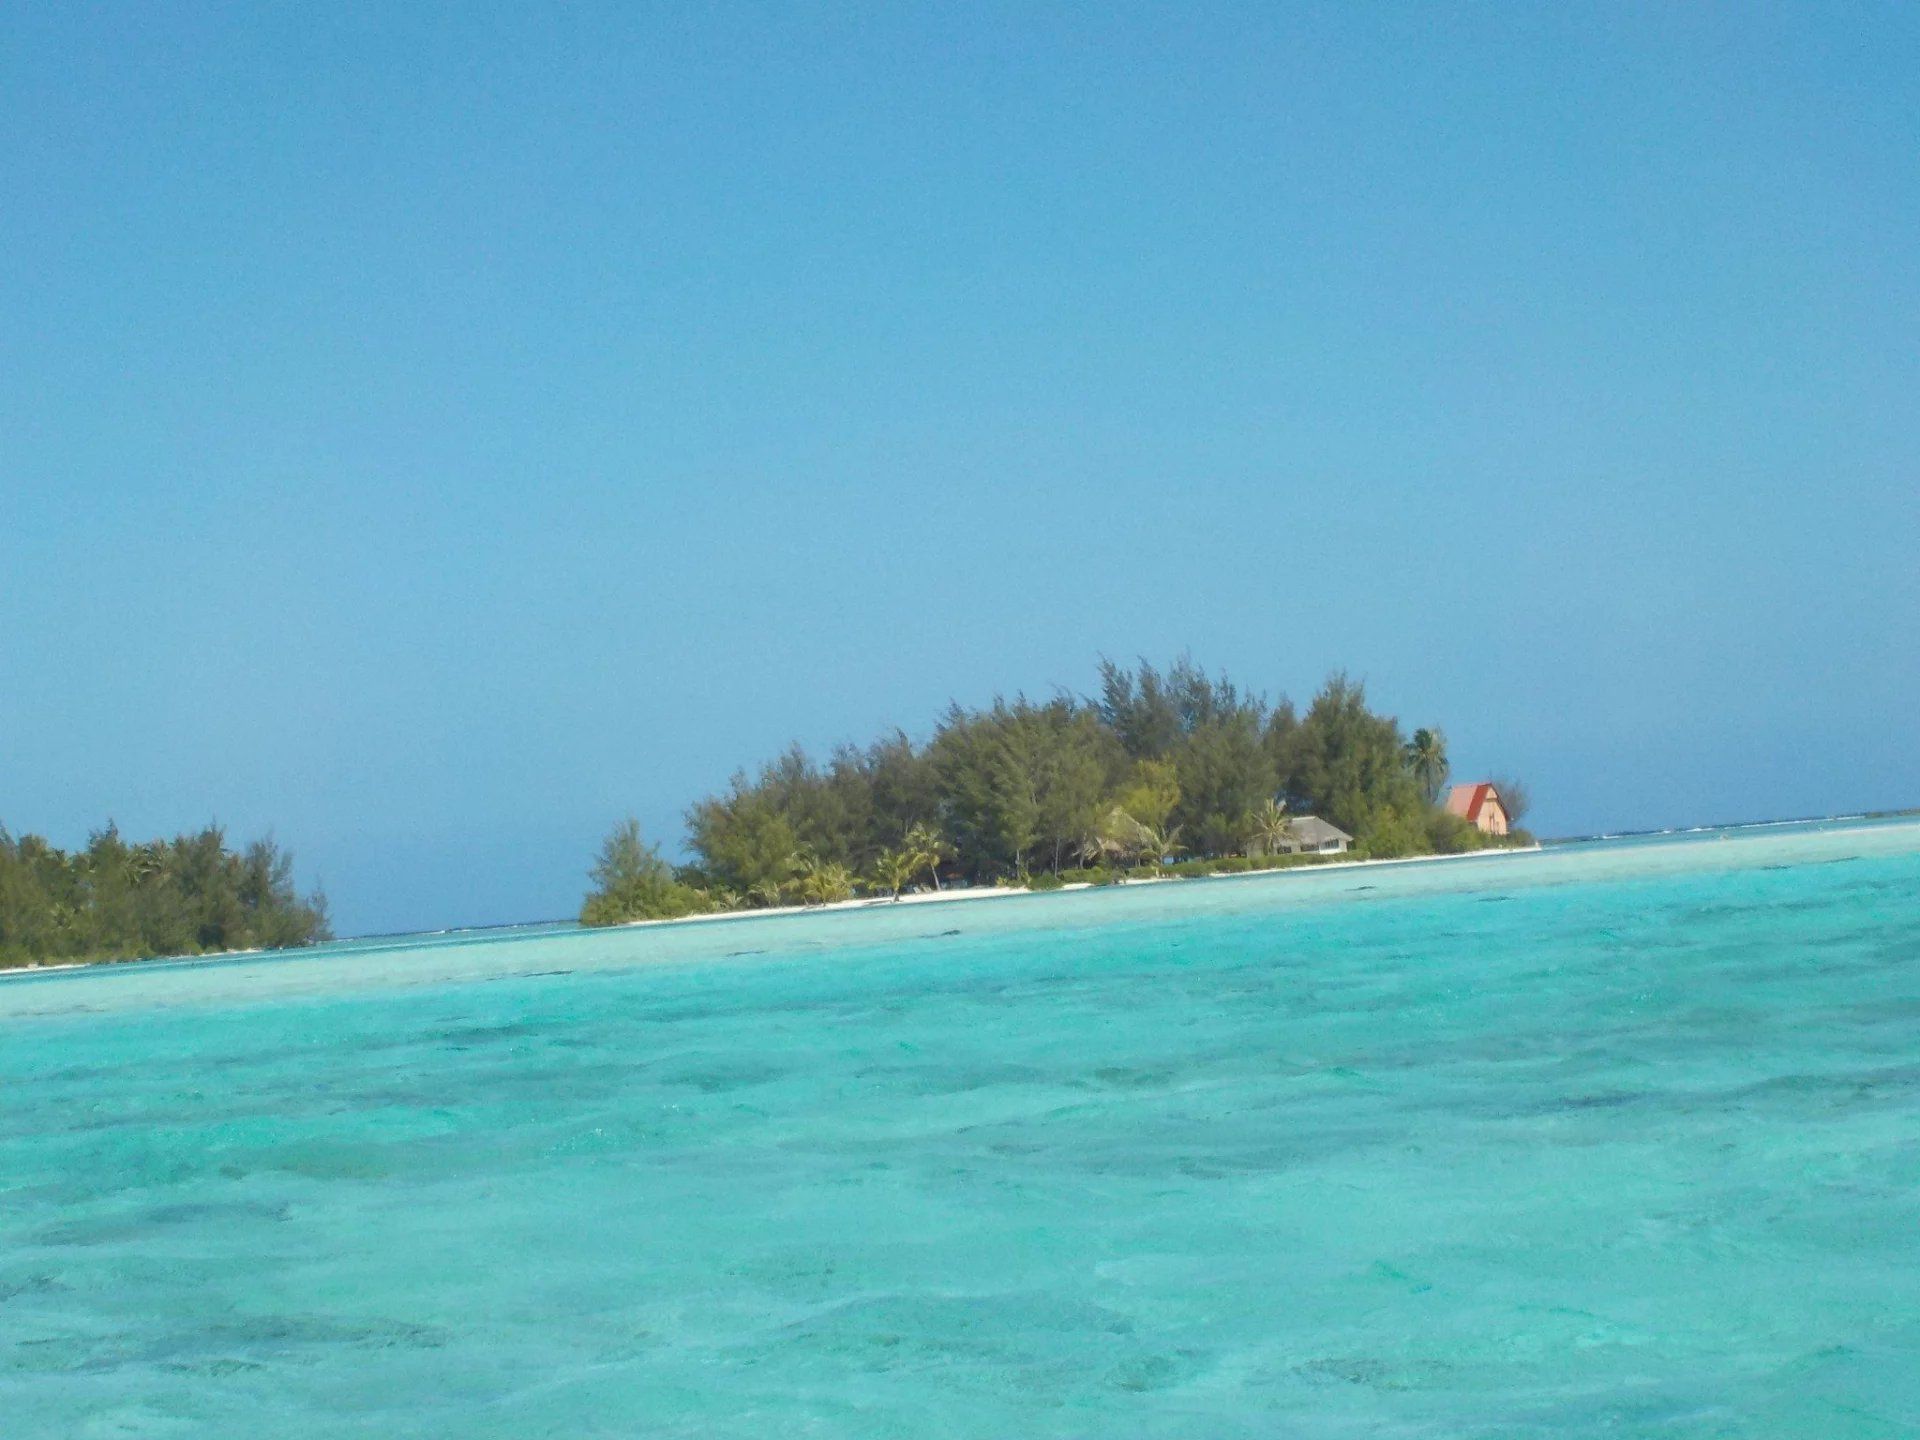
(1310, 835)
(1479, 804)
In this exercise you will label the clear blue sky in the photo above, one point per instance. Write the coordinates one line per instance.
(433, 432)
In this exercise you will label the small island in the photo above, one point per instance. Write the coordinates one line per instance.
(1163, 774)
(191, 895)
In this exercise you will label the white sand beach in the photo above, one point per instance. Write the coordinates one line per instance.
(1004, 892)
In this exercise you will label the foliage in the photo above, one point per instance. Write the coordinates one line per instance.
(1242, 864)
(1157, 843)
(114, 901)
(1451, 835)
(1344, 763)
(1152, 792)
(632, 882)
(822, 882)
(892, 871)
(928, 849)
(1085, 875)
(1226, 776)
(1021, 784)
(1115, 835)
(745, 841)
(1426, 756)
(1394, 834)
(1270, 827)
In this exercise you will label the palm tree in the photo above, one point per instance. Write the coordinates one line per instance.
(779, 888)
(893, 869)
(1157, 843)
(1272, 827)
(928, 847)
(823, 882)
(144, 862)
(1426, 757)
(1114, 836)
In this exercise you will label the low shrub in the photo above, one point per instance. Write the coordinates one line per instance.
(1392, 835)
(1450, 835)
(1257, 863)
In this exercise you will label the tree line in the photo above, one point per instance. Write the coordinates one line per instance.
(113, 900)
(1163, 772)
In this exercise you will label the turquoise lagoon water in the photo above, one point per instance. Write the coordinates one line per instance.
(1608, 1140)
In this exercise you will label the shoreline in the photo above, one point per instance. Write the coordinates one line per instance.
(996, 892)
(919, 897)
(972, 893)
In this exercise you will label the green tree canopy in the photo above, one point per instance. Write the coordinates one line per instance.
(632, 882)
(1345, 763)
(745, 840)
(191, 895)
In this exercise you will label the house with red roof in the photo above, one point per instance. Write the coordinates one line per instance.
(1479, 804)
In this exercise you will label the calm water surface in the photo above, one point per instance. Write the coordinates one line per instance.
(1612, 1140)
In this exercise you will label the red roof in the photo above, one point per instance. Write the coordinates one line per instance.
(1467, 801)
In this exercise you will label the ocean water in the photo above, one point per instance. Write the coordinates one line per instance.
(1616, 1139)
